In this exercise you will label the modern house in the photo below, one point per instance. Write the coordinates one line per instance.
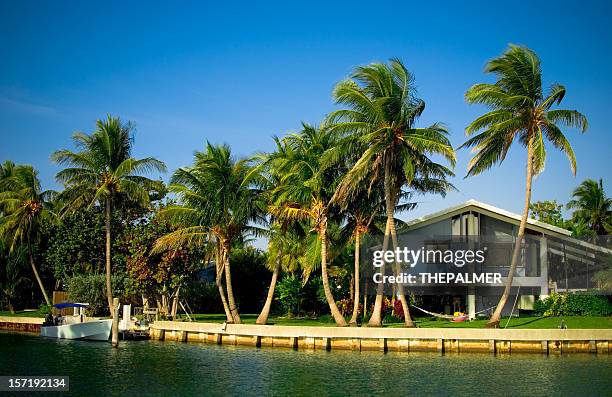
(550, 259)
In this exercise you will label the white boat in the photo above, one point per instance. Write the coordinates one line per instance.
(77, 326)
(89, 330)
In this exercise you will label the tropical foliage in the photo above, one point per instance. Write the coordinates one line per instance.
(114, 232)
(103, 173)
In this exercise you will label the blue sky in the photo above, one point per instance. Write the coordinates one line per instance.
(240, 73)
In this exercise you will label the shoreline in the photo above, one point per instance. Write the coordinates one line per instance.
(440, 340)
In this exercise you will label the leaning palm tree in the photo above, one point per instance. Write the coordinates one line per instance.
(304, 193)
(380, 126)
(25, 208)
(220, 202)
(284, 239)
(285, 244)
(519, 110)
(592, 206)
(104, 173)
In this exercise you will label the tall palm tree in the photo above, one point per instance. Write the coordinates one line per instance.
(591, 205)
(380, 123)
(103, 172)
(305, 191)
(284, 238)
(220, 202)
(519, 110)
(361, 213)
(25, 208)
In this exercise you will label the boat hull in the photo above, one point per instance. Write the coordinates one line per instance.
(89, 330)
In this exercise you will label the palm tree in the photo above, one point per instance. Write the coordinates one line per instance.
(305, 190)
(519, 110)
(591, 205)
(284, 250)
(104, 173)
(284, 238)
(361, 213)
(380, 127)
(25, 208)
(219, 202)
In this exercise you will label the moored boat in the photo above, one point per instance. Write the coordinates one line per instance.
(77, 326)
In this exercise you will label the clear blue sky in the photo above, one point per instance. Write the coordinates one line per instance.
(240, 73)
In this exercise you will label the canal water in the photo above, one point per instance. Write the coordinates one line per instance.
(149, 368)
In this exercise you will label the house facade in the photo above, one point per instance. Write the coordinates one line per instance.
(550, 259)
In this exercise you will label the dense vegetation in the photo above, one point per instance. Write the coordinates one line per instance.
(113, 232)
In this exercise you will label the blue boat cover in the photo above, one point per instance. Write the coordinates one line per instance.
(68, 304)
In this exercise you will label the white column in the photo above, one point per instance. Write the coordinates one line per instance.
(471, 302)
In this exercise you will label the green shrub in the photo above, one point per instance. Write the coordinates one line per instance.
(290, 295)
(44, 309)
(573, 305)
(91, 289)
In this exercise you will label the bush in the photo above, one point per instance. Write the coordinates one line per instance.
(573, 305)
(44, 309)
(202, 297)
(91, 289)
(290, 295)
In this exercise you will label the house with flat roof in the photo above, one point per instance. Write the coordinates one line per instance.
(550, 259)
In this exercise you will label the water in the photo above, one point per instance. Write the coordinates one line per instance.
(170, 369)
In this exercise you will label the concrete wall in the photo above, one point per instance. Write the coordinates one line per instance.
(27, 324)
(389, 339)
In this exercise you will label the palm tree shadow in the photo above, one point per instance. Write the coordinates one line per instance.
(525, 323)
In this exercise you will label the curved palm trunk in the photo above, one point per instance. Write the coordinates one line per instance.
(353, 321)
(494, 321)
(228, 286)
(400, 287)
(265, 312)
(107, 224)
(328, 294)
(376, 319)
(37, 276)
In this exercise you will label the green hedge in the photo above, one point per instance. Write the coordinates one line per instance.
(574, 305)
(91, 289)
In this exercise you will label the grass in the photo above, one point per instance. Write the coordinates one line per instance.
(427, 322)
(422, 322)
(22, 313)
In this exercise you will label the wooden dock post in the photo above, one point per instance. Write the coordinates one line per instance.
(115, 327)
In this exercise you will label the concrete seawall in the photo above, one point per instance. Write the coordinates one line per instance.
(23, 324)
(545, 341)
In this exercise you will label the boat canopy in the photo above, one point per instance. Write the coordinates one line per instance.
(69, 304)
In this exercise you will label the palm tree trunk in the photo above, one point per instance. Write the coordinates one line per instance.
(228, 285)
(107, 224)
(376, 319)
(494, 321)
(37, 276)
(265, 312)
(353, 321)
(219, 282)
(400, 287)
(328, 294)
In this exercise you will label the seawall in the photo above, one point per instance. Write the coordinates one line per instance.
(543, 341)
(22, 324)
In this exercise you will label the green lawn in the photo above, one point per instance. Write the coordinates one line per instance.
(28, 313)
(422, 322)
(426, 322)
